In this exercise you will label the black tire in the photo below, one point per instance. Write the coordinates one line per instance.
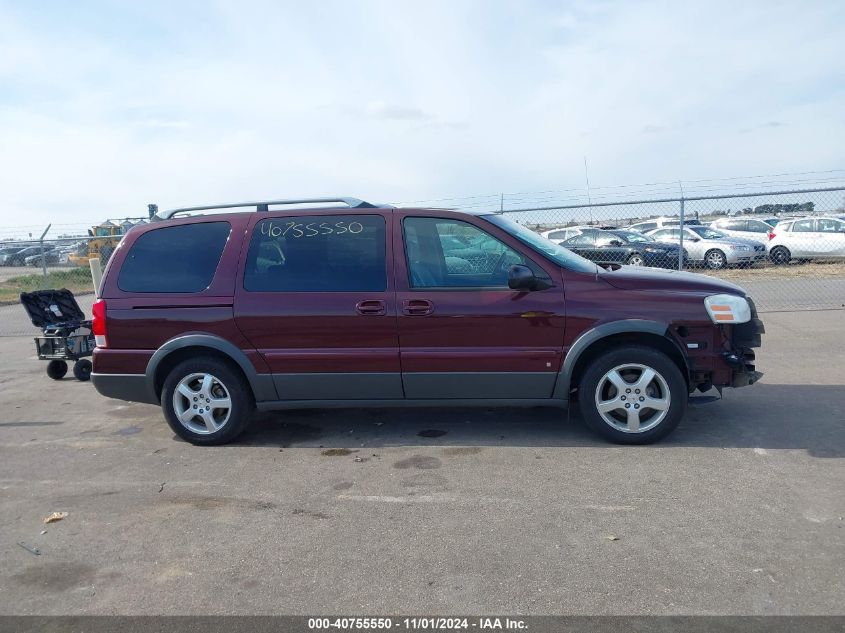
(780, 255)
(595, 376)
(82, 369)
(56, 369)
(232, 382)
(715, 259)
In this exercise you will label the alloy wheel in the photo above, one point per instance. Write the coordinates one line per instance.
(632, 398)
(202, 403)
(715, 260)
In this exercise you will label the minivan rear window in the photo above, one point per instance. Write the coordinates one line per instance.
(174, 258)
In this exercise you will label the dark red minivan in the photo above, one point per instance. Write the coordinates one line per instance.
(215, 311)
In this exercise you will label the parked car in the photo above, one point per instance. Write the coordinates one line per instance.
(561, 235)
(214, 316)
(19, 258)
(558, 236)
(623, 247)
(750, 228)
(8, 251)
(659, 223)
(50, 257)
(712, 248)
(808, 238)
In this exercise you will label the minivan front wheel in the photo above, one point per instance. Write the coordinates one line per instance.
(633, 395)
(206, 401)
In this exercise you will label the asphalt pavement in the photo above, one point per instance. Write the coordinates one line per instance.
(517, 511)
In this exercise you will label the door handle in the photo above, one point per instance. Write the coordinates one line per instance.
(371, 307)
(417, 307)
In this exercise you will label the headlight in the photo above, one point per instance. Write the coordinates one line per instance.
(727, 309)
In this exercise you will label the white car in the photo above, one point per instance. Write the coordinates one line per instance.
(560, 235)
(808, 238)
(749, 228)
(659, 223)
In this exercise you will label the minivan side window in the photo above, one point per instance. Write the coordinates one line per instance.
(174, 258)
(332, 253)
(443, 253)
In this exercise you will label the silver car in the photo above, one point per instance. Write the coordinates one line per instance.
(749, 228)
(712, 248)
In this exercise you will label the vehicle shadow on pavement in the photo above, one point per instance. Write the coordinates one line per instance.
(768, 416)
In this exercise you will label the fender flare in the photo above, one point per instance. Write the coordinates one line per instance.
(261, 384)
(583, 342)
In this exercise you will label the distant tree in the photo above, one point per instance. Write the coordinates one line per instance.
(805, 208)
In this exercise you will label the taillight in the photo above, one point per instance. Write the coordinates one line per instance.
(98, 323)
(771, 235)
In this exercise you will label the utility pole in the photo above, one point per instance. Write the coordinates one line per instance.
(41, 244)
(681, 231)
(587, 179)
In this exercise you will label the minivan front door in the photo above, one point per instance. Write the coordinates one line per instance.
(463, 334)
(315, 299)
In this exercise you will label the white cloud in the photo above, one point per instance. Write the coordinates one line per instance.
(104, 111)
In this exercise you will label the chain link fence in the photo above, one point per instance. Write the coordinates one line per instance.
(28, 264)
(786, 248)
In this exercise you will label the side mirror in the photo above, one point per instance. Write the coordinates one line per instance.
(615, 243)
(520, 277)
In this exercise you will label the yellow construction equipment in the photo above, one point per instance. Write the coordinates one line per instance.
(103, 239)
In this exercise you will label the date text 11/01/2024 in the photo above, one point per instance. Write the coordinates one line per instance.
(418, 623)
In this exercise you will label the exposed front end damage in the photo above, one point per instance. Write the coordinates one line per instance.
(740, 357)
(721, 355)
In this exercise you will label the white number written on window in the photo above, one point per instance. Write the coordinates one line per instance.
(311, 229)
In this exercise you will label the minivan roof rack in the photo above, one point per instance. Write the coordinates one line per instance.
(263, 205)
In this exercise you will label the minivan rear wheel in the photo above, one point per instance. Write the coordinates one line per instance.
(633, 395)
(206, 401)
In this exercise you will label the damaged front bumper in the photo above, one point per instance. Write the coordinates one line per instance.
(740, 358)
(744, 372)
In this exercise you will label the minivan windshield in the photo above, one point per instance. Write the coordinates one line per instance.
(555, 252)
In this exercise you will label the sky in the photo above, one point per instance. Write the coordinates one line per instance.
(108, 106)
